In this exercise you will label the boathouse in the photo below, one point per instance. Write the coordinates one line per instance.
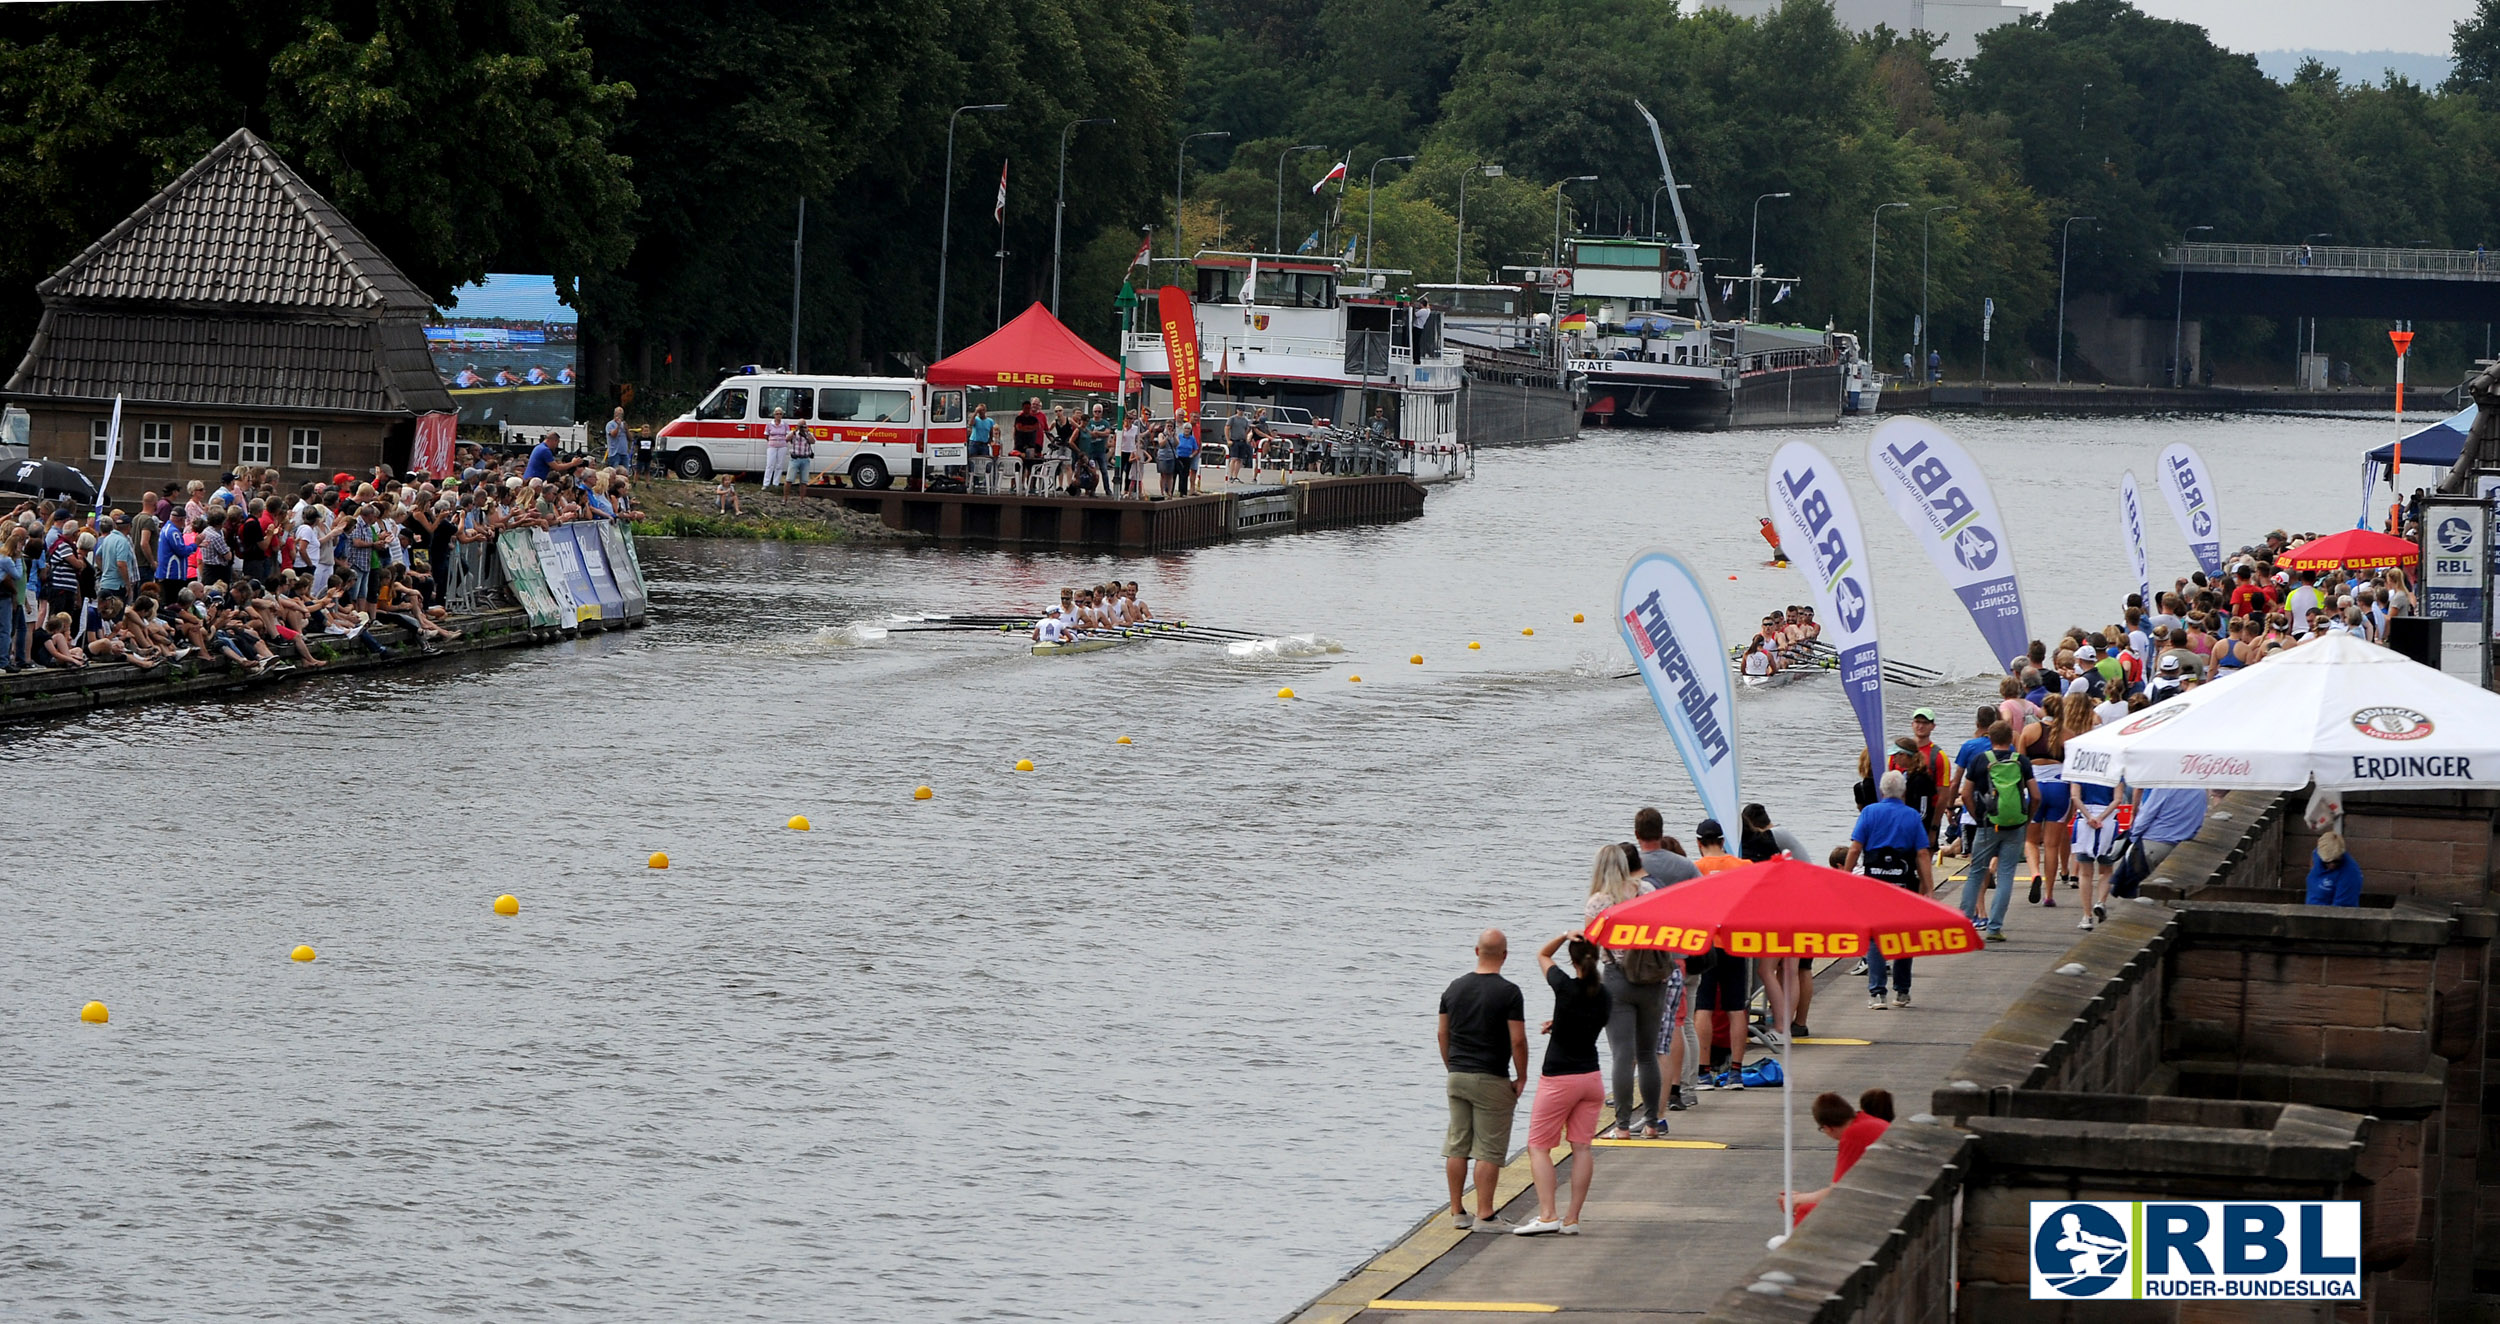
(243, 321)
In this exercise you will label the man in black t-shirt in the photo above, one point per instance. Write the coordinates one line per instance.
(1484, 1046)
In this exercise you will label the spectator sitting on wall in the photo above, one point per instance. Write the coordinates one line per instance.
(1853, 1130)
(2334, 877)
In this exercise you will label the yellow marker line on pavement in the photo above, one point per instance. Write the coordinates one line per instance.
(1660, 1144)
(1844, 1043)
(1476, 1307)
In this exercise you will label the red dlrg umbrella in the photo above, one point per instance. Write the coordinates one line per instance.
(1787, 907)
(2361, 549)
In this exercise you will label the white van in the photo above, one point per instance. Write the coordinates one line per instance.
(867, 430)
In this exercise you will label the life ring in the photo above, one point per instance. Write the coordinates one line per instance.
(1679, 281)
(1562, 278)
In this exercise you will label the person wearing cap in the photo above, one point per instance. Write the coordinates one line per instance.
(1892, 841)
(1723, 986)
(1052, 628)
(2168, 679)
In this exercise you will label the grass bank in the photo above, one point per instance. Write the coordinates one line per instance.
(679, 509)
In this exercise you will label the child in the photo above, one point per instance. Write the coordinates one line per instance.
(726, 497)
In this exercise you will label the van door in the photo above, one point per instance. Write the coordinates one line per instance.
(728, 432)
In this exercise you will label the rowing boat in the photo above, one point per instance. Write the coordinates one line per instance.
(1092, 643)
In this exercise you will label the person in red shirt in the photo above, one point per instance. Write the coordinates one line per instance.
(1852, 1129)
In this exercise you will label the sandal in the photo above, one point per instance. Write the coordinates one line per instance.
(1616, 1133)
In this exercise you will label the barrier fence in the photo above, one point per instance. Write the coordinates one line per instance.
(561, 576)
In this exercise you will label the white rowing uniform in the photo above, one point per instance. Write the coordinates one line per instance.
(1051, 630)
(1757, 662)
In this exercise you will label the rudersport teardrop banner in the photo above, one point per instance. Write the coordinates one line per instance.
(1673, 634)
(2191, 493)
(1938, 491)
(1818, 523)
(2131, 521)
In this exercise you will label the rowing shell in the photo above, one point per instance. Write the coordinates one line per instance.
(1089, 644)
(1772, 681)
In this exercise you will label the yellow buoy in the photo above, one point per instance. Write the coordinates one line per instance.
(302, 952)
(1357, 680)
(1473, 644)
(1578, 619)
(1530, 630)
(1024, 765)
(94, 1013)
(797, 823)
(922, 793)
(659, 859)
(507, 904)
(1418, 659)
(1284, 694)
(1124, 740)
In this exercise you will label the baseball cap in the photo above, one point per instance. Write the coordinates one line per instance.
(2086, 653)
(2170, 665)
(1922, 714)
(1709, 830)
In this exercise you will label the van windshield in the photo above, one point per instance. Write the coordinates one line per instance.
(728, 402)
(835, 404)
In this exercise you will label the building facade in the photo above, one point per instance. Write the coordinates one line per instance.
(243, 322)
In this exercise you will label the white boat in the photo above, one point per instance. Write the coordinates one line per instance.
(1653, 354)
(1281, 330)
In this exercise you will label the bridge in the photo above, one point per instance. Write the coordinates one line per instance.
(2294, 280)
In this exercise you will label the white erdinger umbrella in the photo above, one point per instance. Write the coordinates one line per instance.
(2349, 715)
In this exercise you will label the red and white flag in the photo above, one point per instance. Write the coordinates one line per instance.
(1143, 246)
(998, 214)
(1335, 173)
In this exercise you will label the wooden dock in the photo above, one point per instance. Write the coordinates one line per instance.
(1163, 524)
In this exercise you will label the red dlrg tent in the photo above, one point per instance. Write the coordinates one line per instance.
(1035, 349)
(2362, 549)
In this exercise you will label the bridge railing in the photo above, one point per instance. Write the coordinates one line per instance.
(2440, 263)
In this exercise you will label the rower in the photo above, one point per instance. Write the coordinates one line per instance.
(1137, 605)
(1760, 660)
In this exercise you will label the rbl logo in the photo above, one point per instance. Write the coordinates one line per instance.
(2155, 1250)
(1975, 548)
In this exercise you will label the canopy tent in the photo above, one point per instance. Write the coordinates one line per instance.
(1033, 350)
(2435, 448)
(2358, 549)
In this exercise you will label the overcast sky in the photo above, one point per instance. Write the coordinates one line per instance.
(2335, 25)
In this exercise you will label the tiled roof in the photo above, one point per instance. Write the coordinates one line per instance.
(356, 365)
(238, 228)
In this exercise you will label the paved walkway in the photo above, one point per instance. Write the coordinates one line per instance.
(1667, 1229)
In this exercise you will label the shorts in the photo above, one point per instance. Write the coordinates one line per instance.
(2056, 798)
(1724, 987)
(1566, 1106)
(2096, 843)
(798, 468)
(1480, 1113)
(1241, 451)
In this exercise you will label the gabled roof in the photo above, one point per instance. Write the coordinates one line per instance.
(239, 229)
(351, 365)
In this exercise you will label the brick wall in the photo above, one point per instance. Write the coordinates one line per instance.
(349, 444)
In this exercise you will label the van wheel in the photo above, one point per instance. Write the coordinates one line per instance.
(868, 474)
(692, 464)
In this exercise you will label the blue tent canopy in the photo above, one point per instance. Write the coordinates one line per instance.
(2439, 444)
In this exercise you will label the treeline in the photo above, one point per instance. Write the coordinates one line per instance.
(653, 155)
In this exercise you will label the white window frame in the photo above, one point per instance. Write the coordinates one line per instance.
(208, 443)
(99, 437)
(251, 444)
(303, 448)
(156, 443)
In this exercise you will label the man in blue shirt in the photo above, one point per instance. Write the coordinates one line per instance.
(1958, 824)
(543, 462)
(1891, 840)
(984, 453)
(2166, 816)
(116, 562)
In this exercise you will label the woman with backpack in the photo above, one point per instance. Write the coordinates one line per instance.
(1635, 980)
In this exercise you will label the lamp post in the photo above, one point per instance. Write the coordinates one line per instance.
(1926, 328)
(1059, 213)
(2178, 314)
(1369, 191)
(1874, 231)
(798, 251)
(1280, 187)
(1180, 161)
(1559, 186)
(946, 216)
(2066, 239)
(1458, 263)
(2313, 322)
(1753, 266)
(1653, 204)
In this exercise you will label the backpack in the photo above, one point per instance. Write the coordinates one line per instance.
(1893, 865)
(2000, 793)
(1645, 965)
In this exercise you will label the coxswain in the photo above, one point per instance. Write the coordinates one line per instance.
(1772, 536)
(1761, 656)
(1051, 629)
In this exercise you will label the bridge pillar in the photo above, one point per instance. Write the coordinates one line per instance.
(2126, 351)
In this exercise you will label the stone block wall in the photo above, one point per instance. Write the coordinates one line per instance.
(2435, 845)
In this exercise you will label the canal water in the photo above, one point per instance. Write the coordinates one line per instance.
(1143, 1033)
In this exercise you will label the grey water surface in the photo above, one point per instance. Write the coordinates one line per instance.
(1143, 1034)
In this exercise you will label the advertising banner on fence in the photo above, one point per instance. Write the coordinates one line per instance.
(1180, 348)
(2131, 521)
(1818, 523)
(2191, 494)
(1936, 488)
(1673, 634)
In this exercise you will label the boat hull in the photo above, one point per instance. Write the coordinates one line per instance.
(1805, 396)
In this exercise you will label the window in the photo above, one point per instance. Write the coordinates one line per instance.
(99, 437)
(208, 443)
(793, 401)
(303, 448)
(727, 403)
(251, 446)
(1620, 255)
(946, 407)
(834, 405)
(156, 442)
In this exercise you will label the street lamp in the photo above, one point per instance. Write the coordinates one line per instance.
(1753, 267)
(1180, 161)
(2313, 322)
(1059, 213)
(1280, 187)
(1926, 329)
(1653, 204)
(1559, 186)
(2066, 239)
(1370, 191)
(1874, 231)
(1458, 263)
(2178, 314)
(946, 216)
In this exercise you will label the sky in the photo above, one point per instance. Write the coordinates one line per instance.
(2259, 25)
(521, 298)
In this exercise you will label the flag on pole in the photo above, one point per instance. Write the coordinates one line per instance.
(1780, 294)
(1348, 255)
(1143, 247)
(1309, 245)
(1335, 173)
(1727, 290)
(998, 214)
